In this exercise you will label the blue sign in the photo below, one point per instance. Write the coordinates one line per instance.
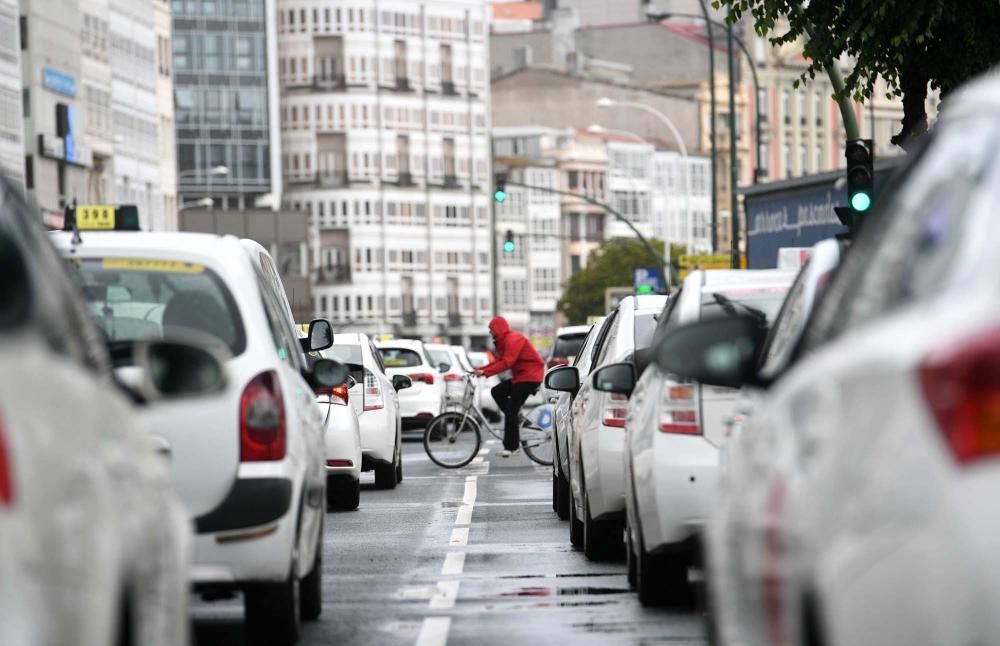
(648, 277)
(58, 82)
(543, 416)
(69, 139)
(797, 218)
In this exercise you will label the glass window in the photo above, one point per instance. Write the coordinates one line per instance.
(400, 358)
(645, 326)
(763, 302)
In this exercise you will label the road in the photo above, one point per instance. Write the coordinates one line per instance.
(473, 556)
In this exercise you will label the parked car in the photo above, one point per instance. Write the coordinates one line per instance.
(451, 369)
(425, 400)
(582, 360)
(84, 559)
(877, 507)
(485, 397)
(565, 346)
(248, 462)
(738, 477)
(674, 430)
(375, 400)
(595, 435)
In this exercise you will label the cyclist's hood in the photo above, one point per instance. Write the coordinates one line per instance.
(499, 327)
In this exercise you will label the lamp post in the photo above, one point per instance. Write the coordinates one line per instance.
(203, 202)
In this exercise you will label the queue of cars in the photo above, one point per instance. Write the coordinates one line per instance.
(826, 441)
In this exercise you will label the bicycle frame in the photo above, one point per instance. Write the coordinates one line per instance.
(469, 409)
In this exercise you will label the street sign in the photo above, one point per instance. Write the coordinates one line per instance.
(96, 217)
(647, 280)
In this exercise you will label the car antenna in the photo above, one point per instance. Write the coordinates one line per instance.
(71, 214)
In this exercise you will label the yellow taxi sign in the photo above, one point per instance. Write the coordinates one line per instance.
(95, 217)
(152, 264)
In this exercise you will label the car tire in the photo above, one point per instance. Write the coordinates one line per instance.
(575, 525)
(342, 493)
(601, 538)
(272, 613)
(385, 476)
(662, 578)
(311, 587)
(562, 484)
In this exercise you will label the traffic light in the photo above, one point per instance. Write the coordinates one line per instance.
(508, 242)
(644, 289)
(500, 194)
(860, 174)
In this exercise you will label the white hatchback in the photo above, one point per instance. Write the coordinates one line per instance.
(451, 369)
(248, 463)
(425, 399)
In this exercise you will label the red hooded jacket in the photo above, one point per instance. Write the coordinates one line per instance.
(515, 354)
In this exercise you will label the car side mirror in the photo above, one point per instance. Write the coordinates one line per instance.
(615, 378)
(401, 382)
(326, 373)
(320, 335)
(443, 367)
(174, 369)
(717, 352)
(564, 379)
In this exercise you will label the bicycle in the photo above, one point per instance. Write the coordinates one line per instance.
(453, 438)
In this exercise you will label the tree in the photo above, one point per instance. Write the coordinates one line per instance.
(609, 265)
(910, 44)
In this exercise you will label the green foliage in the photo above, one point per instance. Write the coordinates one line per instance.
(609, 265)
(908, 43)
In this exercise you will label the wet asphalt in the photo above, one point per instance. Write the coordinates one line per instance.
(413, 566)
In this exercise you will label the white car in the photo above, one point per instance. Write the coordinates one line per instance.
(565, 346)
(595, 434)
(452, 372)
(582, 360)
(375, 400)
(674, 430)
(425, 399)
(94, 542)
(341, 439)
(875, 521)
(485, 396)
(248, 463)
(739, 480)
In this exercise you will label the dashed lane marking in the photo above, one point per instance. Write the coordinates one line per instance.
(434, 631)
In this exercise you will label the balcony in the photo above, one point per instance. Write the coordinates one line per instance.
(451, 181)
(403, 84)
(454, 319)
(448, 88)
(406, 178)
(333, 179)
(410, 319)
(333, 275)
(338, 82)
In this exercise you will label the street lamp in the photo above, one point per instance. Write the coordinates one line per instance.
(598, 129)
(202, 202)
(214, 171)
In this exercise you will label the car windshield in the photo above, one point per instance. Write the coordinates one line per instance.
(400, 358)
(568, 345)
(478, 360)
(141, 298)
(762, 302)
(645, 326)
(440, 356)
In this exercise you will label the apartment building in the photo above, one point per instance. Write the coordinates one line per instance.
(385, 143)
(165, 108)
(11, 123)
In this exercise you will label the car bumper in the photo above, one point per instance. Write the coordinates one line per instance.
(378, 435)
(422, 408)
(342, 441)
(604, 470)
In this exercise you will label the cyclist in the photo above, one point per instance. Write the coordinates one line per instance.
(515, 353)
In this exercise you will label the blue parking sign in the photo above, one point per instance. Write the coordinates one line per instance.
(647, 280)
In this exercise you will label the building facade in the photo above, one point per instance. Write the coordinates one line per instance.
(385, 139)
(165, 108)
(11, 121)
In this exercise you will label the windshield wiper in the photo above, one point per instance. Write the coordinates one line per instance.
(729, 307)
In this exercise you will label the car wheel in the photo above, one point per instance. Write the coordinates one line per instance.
(575, 525)
(385, 476)
(562, 509)
(342, 493)
(661, 579)
(601, 538)
(311, 587)
(272, 612)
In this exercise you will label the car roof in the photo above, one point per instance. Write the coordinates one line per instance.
(723, 278)
(573, 329)
(438, 346)
(356, 338)
(407, 344)
(204, 248)
(643, 302)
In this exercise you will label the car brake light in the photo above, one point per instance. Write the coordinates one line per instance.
(262, 419)
(425, 377)
(615, 410)
(962, 387)
(6, 471)
(373, 392)
(339, 463)
(339, 394)
(678, 409)
(453, 376)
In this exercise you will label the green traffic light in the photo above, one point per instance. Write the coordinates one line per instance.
(861, 202)
(508, 246)
(644, 289)
(500, 196)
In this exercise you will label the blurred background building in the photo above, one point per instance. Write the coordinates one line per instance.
(11, 121)
(385, 135)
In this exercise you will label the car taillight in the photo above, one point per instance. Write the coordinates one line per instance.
(615, 410)
(6, 470)
(373, 392)
(679, 409)
(425, 377)
(262, 419)
(453, 376)
(962, 387)
(557, 361)
(338, 394)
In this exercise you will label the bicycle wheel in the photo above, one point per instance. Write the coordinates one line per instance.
(452, 439)
(537, 445)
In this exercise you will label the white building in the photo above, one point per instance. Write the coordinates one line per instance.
(385, 142)
(630, 187)
(682, 201)
(167, 140)
(11, 124)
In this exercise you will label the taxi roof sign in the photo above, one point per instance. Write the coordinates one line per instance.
(102, 217)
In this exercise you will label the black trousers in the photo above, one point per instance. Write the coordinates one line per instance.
(510, 397)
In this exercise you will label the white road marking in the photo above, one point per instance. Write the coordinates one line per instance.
(434, 631)
(459, 536)
(477, 460)
(469, 497)
(464, 515)
(454, 563)
(490, 442)
(484, 451)
(445, 598)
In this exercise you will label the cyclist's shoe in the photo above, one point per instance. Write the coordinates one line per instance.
(504, 453)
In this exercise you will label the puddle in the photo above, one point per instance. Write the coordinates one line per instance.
(449, 504)
(544, 591)
(582, 575)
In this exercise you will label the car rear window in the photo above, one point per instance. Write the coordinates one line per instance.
(765, 301)
(400, 358)
(141, 298)
(645, 326)
(349, 354)
(568, 346)
(440, 356)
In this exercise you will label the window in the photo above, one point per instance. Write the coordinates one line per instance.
(786, 106)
